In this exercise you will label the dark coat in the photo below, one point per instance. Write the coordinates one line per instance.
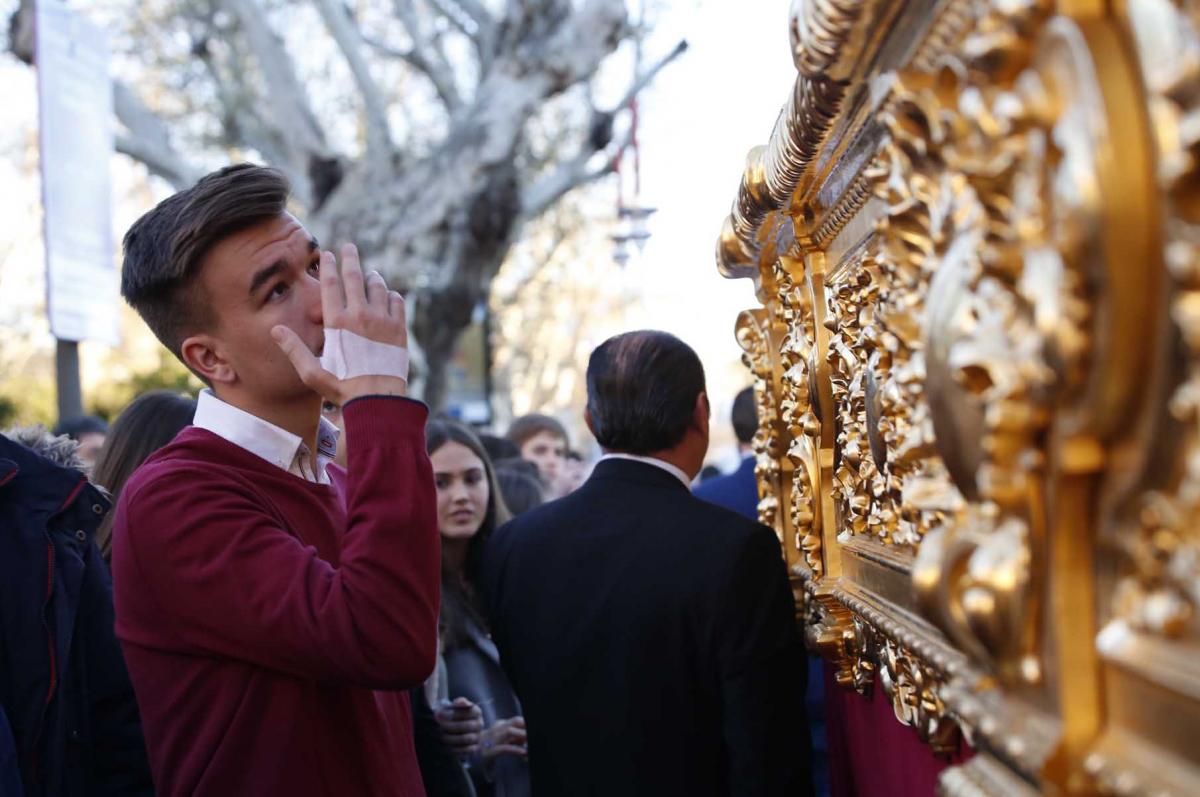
(64, 690)
(473, 671)
(652, 640)
(737, 491)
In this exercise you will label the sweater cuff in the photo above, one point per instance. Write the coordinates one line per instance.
(384, 415)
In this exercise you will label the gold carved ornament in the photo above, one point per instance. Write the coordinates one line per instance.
(959, 394)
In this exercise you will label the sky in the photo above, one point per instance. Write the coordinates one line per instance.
(699, 119)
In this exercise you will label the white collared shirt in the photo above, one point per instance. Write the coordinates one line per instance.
(266, 440)
(658, 463)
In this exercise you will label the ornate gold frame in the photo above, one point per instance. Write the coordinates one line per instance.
(975, 233)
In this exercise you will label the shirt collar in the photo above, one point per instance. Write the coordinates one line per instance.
(263, 438)
(658, 463)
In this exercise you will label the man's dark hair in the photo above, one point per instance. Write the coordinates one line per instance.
(76, 428)
(531, 425)
(745, 416)
(165, 247)
(642, 388)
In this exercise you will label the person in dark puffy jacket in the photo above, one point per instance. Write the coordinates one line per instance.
(69, 724)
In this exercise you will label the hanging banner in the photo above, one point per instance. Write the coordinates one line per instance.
(76, 138)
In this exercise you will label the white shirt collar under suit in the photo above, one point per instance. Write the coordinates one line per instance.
(658, 463)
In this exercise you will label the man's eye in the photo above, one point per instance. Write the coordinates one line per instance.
(314, 267)
(279, 290)
(328, 406)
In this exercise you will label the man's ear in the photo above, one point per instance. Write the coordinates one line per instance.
(701, 412)
(203, 354)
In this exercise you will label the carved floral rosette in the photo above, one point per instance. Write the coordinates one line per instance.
(975, 231)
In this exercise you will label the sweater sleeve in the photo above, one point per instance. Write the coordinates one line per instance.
(232, 582)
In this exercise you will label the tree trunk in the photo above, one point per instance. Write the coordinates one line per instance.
(438, 322)
(436, 239)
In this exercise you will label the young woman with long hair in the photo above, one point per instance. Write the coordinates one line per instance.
(470, 508)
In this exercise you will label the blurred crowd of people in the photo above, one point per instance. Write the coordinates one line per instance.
(392, 603)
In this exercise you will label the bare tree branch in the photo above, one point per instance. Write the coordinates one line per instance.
(147, 139)
(571, 174)
(427, 55)
(475, 22)
(473, 9)
(574, 172)
(240, 118)
(456, 16)
(646, 77)
(442, 82)
(346, 34)
(285, 93)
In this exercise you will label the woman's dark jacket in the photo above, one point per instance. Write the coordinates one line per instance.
(473, 671)
(69, 723)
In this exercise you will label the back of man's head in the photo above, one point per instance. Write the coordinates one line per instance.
(745, 416)
(642, 390)
(165, 247)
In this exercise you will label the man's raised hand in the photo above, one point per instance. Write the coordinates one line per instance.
(366, 339)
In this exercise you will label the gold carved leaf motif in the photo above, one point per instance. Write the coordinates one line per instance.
(1159, 588)
(799, 417)
(753, 336)
(1008, 325)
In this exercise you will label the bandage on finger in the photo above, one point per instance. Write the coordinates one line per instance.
(348, 355)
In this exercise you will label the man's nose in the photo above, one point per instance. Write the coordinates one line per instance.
(311, 287)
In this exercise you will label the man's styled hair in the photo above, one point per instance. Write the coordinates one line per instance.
(745, 416)
(165, 247)
(528, 426)
(642, 388)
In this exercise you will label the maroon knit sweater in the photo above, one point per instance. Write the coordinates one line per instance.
(269, 622)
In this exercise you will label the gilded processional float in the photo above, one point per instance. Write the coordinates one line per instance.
(975, 234)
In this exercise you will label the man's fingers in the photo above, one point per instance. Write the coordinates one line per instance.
(352, 279)
(307, 366)
(377, 293)
(333, 298)
(396, 305)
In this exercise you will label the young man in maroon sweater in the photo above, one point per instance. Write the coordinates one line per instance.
(272, 612)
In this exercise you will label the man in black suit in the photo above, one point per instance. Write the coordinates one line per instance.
(650, 635)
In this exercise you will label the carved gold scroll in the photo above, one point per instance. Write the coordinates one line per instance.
(975, 233)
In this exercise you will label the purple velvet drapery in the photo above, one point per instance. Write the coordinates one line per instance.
(871, 754)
